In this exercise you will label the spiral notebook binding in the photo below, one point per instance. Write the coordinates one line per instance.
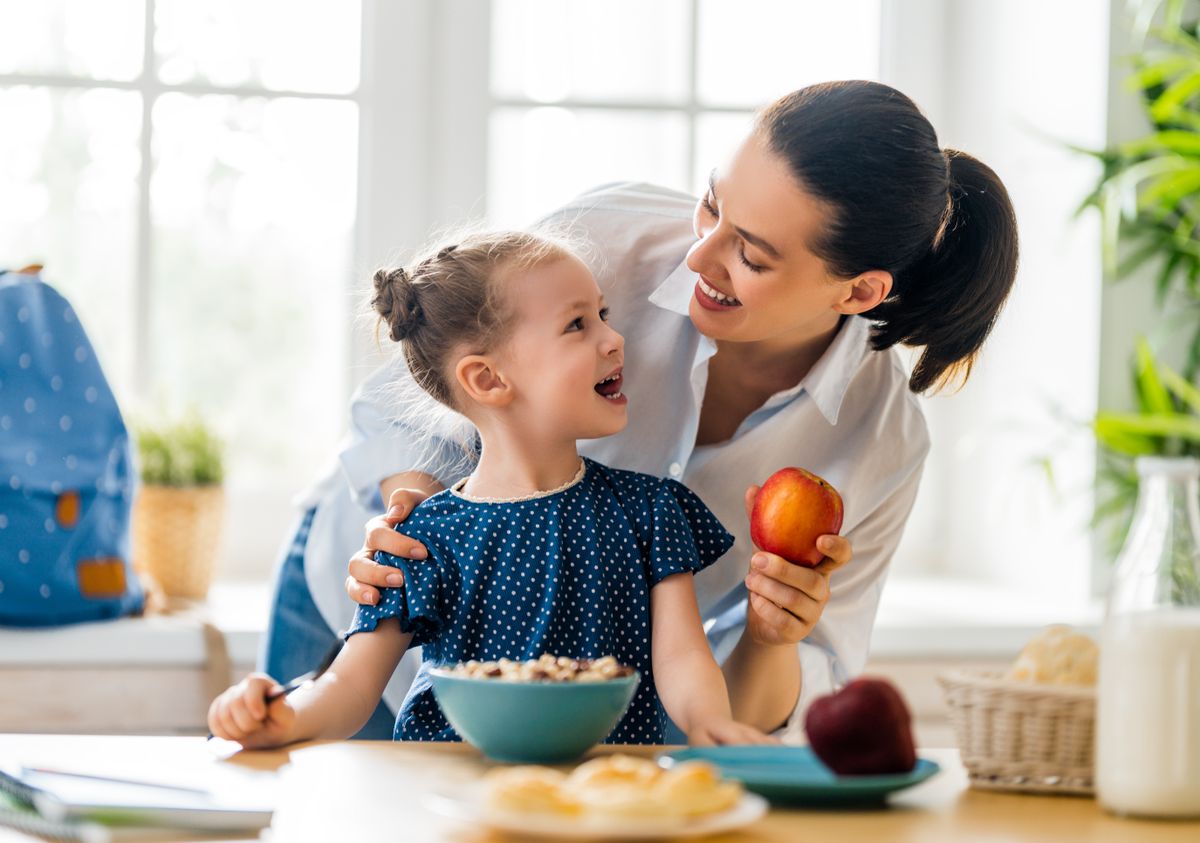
(28, 820)
(13, 787)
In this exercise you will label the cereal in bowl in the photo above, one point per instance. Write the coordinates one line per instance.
(546, 669)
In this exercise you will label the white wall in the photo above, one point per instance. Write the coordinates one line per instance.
(1016, 81)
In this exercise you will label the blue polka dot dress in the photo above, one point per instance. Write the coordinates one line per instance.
(567, 573)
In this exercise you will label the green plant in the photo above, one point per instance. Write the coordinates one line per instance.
(1166, 422)
(185, 453)
(1149, 191)
(1148, 196)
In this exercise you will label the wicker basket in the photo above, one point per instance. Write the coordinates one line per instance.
(175, 535)
(1020, 735)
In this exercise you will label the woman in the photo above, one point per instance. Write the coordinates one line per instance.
(765, 327)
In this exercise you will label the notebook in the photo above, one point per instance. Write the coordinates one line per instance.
(70, 797)
(22, 818)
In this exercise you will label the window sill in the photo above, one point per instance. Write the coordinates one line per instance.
(175, 640)
(940, 618)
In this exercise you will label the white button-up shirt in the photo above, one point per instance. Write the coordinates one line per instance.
(851, 420)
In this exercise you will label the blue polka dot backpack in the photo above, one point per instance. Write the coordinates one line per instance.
(66, 487)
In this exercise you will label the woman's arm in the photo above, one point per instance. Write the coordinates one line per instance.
(689, 681)
(764, 680)
(785, 602)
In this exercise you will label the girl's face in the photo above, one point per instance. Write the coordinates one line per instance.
(562, 358)
(758, 278)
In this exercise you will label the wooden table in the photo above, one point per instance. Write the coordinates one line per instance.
(369, 791)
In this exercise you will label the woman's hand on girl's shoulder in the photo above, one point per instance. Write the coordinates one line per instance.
(366, 575)
(724, 731)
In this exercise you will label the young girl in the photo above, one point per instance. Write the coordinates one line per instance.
(537, 550)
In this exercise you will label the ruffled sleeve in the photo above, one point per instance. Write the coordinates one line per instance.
(420, 604)
(685, 536)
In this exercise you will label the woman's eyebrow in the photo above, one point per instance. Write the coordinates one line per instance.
(753, 239)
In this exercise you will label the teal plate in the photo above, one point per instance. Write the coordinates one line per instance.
(794, 775)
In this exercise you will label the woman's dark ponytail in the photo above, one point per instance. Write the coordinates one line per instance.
(948, 300)
(940, 222)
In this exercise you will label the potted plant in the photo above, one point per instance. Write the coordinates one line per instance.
(179, 508)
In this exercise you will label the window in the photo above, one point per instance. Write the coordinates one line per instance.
(207, 182)
(188, 177)
(987, 510)
(586, 93)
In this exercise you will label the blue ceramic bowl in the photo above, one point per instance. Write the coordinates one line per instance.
(532, 722)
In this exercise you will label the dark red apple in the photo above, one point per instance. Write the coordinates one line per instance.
(864, 729)
(793, 508)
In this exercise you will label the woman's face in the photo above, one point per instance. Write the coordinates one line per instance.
(758, 278)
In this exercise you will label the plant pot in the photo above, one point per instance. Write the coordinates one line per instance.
(176, 531)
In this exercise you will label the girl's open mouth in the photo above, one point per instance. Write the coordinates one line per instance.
(713, 299)
(610, 387)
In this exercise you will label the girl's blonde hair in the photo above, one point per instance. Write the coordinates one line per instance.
(449, 299)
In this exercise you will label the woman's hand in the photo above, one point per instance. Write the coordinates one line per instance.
(366, 575)
(724, 731)
(787, 600)
(243, 714)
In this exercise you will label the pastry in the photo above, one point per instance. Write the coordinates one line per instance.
(1058, 656)
(535, 790)
(693, 788)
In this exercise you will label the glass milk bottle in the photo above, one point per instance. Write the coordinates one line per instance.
(1148, 700)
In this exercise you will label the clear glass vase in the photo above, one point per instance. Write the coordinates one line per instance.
(1148, 699)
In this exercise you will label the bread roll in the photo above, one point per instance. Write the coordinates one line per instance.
(1057, 656)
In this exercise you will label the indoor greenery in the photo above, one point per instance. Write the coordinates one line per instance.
(1149, 199)
(1149, 190)
(184, 453)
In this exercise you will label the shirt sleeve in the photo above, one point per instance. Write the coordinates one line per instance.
(395, 427)
(419, 605)
(685, 537)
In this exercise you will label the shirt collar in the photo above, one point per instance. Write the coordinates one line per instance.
(675, 293)
(829, 378)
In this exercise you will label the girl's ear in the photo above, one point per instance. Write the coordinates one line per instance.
(482, 381)
(865, 291)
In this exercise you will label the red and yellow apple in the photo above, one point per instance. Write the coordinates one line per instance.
(793, 508)
(864, 729)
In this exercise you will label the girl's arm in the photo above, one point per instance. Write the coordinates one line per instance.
(689, 681)
(341, 702)
(336, 706)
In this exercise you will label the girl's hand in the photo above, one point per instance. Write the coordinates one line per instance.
(366, 575)
(787, 600)
(723, 731)
(242, 714)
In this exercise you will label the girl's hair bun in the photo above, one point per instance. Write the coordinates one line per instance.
(395, 301)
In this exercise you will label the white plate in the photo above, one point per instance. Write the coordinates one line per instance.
(469, 807)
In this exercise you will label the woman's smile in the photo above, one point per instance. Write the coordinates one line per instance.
(711, 298)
